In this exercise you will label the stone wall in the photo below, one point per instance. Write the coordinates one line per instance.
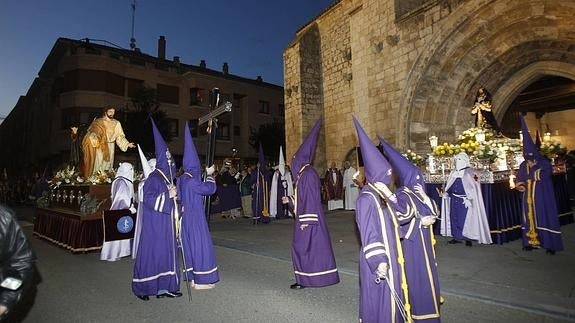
(411, 76)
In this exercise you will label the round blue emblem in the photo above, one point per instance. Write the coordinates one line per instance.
(125, 224)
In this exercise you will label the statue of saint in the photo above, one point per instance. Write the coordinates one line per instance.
(98, 143)
(484, 117)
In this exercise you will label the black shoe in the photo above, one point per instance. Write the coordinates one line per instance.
(528, 248)
(144, 298)
(169, 295)
(453, 241)
(550, 252)
(296, 286)
(468, 243)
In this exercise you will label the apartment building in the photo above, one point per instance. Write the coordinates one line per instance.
(79, 78)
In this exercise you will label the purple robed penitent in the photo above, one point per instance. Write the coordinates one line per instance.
(380, 243)
(417, 242)
(312, 253)
(198, 250)
(155, 268)
(540, 221)
(260, 180)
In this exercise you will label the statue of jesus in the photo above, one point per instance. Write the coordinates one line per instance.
(98, 143)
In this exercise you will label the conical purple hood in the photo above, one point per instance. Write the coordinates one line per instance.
(408, 174)
(530, 150)
(162, 151)
(376, 167)
(191, 160)
(306, 151)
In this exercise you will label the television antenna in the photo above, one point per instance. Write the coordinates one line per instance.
(133, 39)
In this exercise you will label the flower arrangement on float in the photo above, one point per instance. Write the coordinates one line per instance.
(66, 176)
(71, 176)
(486, 151)
(470, 135)
(413, 157)
(552, 149)
(102, 177)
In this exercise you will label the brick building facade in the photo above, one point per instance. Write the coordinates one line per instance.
(79, 78)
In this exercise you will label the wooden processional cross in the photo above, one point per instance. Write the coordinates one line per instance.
(211, 118)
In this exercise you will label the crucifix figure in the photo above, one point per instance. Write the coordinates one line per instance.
(211, 118)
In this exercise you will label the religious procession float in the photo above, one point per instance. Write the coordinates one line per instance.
(495, 160)
(70, 214)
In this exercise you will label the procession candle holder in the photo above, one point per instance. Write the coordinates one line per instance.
(72, 197)
(79, 197)
(64, 196)
(58, 196)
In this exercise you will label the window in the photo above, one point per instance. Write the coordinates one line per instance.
(168, 94)
(174, 127)
(93, 80)
(193, 124)
(223, 131)
(281, 110)
(196, 96)
(264, 107)
(237, 131)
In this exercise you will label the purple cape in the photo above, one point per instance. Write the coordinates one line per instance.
(540, 220)
(199, 256)
(156, 266)
(312, 253)
(380, 244)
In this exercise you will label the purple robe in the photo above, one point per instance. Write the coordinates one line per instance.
(420, 263)
(380, 243)
(155, 268)
(198, 250)
(260, 195)
(540, 220)
(312, 253)
(457, 210)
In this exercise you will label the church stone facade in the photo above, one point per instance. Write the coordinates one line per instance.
(409, 69)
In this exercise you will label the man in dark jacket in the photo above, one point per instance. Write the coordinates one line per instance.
(16, 259)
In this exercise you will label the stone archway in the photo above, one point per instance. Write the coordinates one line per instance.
(522, 78)
(486, 43)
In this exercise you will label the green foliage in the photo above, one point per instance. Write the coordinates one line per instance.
(137, 125)
(271, 135)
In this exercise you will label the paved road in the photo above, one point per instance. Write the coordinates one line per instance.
(481, 284)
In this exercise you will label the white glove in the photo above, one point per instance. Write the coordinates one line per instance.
(303, 226)
(381, 271)
(421, 192)
(386, 192)
(133, 209)
(445, 195)
(172, 191)
(427, 220)
(467, 202)
(210, 170)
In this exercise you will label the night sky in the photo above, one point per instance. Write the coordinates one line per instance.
(248, 34)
